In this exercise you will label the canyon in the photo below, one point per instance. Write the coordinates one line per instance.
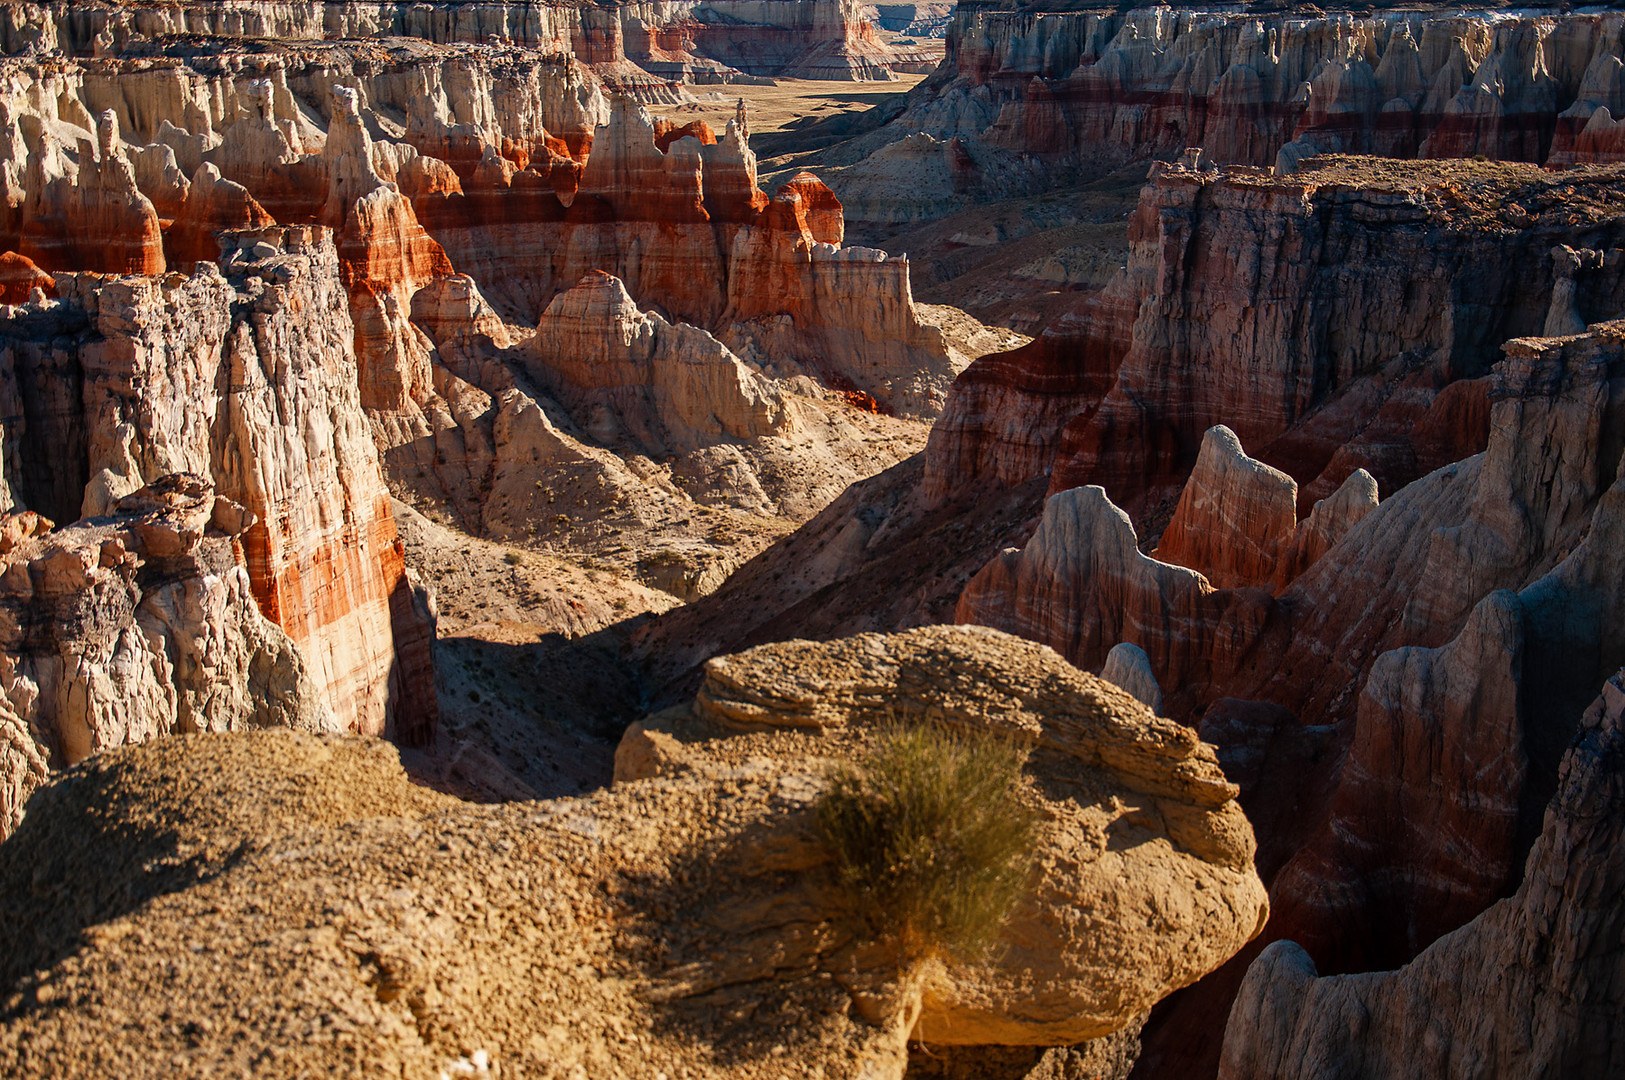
(1031, 98)
(472, 476)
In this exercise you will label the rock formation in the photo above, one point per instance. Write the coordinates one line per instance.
(1235, 518)
(1444, 645)
(249, 381)
(1031, 97)
(1529, 987)
(1127, 666)
(89, 214)
(1327, 310)
(511, 166)
(727, 41)
(669, 388)
(19, 277)
(1082, 586)
(137, 625)
(688, 230)
(1419, 660)
(697, 881)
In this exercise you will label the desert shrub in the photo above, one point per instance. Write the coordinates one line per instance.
(930, 840)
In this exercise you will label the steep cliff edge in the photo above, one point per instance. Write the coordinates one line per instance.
(669, 43)
(248, 380)
(1339, 318)
(1428, 667)
(697, 882)
(136, 625)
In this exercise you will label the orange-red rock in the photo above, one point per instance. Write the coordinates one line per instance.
(19, 277)
(90, 215)
(250, 381)
(212, 205)
(1236, 517)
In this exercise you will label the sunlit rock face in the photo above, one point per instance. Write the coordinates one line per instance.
(249, 380)
(1033, 100)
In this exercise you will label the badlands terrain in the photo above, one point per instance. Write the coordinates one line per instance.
(476, 476)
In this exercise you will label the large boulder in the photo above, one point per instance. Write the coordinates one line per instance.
(282, 903)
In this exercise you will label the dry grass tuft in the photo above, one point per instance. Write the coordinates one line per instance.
(930, 840)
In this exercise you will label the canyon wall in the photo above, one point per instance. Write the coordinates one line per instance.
(668, 42)
(138, 624)
(1337, 319)
(1529, 988)
(1429, 666)
(1381, 603)
(1026, 101)
(249, 381)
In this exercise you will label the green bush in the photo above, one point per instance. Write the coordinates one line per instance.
(930, 840)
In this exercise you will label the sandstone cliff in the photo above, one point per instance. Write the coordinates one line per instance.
(717, 41)
(512, 167)
(1443, 648)
(645, 927)
(249, 380)
(136, 625)
(1029, 98)
(1341, 318)
(688, 230)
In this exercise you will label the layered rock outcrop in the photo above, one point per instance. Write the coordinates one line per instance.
(1443, 647)
(557, 433)
(89, 213)
(717, 41)
(511, 166)
(1529, 987)
(697, 880)
(135, 625)
(1235, 518)
(689, 231)
(1342, 317)
(1030, 97)
(249, 381)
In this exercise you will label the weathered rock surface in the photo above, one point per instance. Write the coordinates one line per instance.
(611, 430)
(699, 887)
(1350, 292)
(688, 231)
(1127, 666)
(712, 42)
(1235, 518)
(89, 214)
(1028, 97)
(1443, 647)
(137, 625)
(1081, 586)
(249, 381)
(1530, 987)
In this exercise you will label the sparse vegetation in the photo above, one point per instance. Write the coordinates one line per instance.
(930, 840)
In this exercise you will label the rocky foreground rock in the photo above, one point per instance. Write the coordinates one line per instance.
(279, 903)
